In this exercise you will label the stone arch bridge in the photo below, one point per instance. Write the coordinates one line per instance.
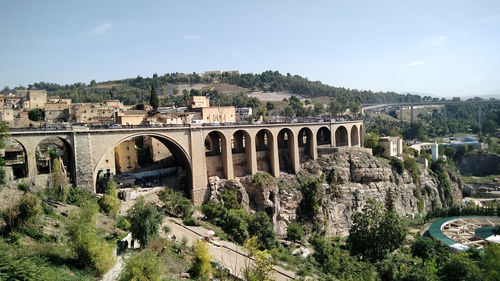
(226, 151)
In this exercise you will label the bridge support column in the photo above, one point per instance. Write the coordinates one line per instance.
(275, 159)
(199, 180)
(411, 114)
(83, 162)
(31, 156)
(313, 146)
(227, 158)
(294, 149)
(251, 154)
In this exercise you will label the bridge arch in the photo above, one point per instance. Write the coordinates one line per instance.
(341, 137)
(51, 147)
(216, 153)
(306, 144)
(181, 158)
(324, 136)
(354, 136)
(286, 153)
(16, 157)
(264, 150)
(241, 153)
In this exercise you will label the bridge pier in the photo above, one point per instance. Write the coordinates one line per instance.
(411, 114)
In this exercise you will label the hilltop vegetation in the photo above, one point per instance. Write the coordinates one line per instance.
(136, 90)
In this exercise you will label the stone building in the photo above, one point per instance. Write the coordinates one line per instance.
(126, 156)
(393, 146)
(37, 98)
(220, 114)
(198, 102)
(90, 113)
(56, 112)
(130, 117)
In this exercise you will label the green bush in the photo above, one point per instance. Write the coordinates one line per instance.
(144, 265)
(109, 203)
(411, 165)
(312, 199)
(260, 225)
(263, 179)
(123, 224)
(175, 203)
(294, 232)
(81, 196)
(23, 187)
(59, 188)
(189, 221)
(214, 212)
(24, 212)
(229, 198)
(397, 165)
(236, 225)
(144, 220)
(91, 248)
(202, 268)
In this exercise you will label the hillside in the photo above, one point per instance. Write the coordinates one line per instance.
(136, 90)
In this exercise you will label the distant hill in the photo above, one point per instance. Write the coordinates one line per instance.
(171, 85)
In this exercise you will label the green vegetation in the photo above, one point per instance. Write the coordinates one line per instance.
(175, 203)
(311, 204)
(144, 221)
(153, 98)
(202, 268)
(263, 266)
(397, 165)
(59, 188)
(439, 168)
(109, 203)
(90, 246)
(371, 141)
(294, 232)
(143, 265)
(36, 115)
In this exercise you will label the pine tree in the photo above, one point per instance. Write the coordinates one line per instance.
(153, 99)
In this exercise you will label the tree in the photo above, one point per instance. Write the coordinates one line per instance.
(144, 220)
(489, 127)
(269, 106)
(294, 232)
(335, 108)
(260, 225)
(142, 266)
(36, 114)
(375, 232)
(236, 226)
(109, 203)
(490, 262)
(59, 189)
(201, 266)
(319, 109)
(153, 98)
(91, 248)
(263, 262)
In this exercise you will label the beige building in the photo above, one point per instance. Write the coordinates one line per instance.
(173, 118)
(157, 149)
(131, 117)
(220, 114)
(90, 113)
(393, 146)
(37, 98)
(126, 157)
(56, 112)
(7, 115)
(198, 102)
(107, 165)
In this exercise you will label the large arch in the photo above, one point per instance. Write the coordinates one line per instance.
(215, 154)
(354, 136)
(263, 147)
(286, 150)
(241, 153)
(182, 171)
(306, 145)
(16, 160)
(341, 137)
(324, 136)
(48, 149)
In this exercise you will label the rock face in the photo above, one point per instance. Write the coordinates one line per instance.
(348, 180)
(480, 165)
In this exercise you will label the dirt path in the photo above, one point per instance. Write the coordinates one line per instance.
(226, 253)
(115, 271)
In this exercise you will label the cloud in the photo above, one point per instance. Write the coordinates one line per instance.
(191, 37)
(491, 20)
(437, 41)
(101, 27)
(416, 63)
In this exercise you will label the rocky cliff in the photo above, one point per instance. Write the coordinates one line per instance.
(348, 179)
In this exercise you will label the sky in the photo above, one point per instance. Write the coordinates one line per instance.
(440, 47)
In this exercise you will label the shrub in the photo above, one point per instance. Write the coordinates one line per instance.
(411, 165)
(202, 268)
(263, 179)
(91, 248)
(312, 199)
(144, 265)
(294, 232)
(397, 165)
(109, 203)
(229, 198)
(123, 224)
(190, 221)
(29, 207)
(81, 196)
(236, 225)
(59, 188)
(175, 203)
(260, 225)
(23, 187)
(214, 212)
(144, 220)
